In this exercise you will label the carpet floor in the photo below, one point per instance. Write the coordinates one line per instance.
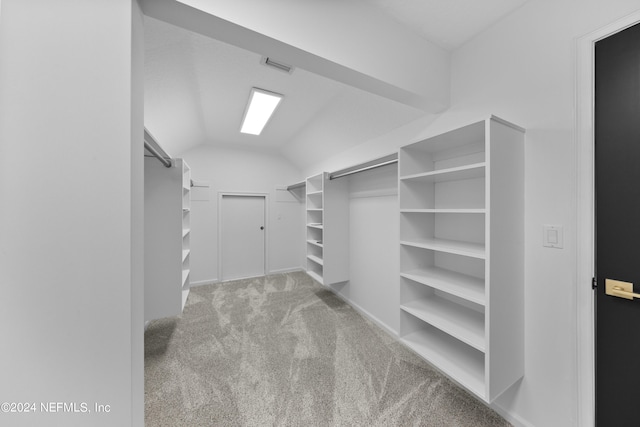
(282, 350)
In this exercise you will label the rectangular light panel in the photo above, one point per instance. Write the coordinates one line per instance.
(261, 106)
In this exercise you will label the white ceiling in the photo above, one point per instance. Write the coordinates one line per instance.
(447, 23)
(196, 88)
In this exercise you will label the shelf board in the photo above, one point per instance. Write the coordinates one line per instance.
(318, 226)
(456, 211)
(315, 259)
(475, 170)
(185, 231)
(474, 250)
(185, 254)
(461, 362)
(460, 322)
(185, 295)
(313, 193)
(315, 276)
(315, 243)
(461, 285)
(185, 275)
(314, 210)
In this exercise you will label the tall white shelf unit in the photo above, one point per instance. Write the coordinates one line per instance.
(327, 223)
(462, 254)
(186, 231)
(167, 234)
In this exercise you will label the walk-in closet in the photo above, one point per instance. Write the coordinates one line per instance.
(286, 212)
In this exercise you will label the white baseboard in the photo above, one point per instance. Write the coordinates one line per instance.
(203, 282)
(365, 313)
(216, 280)
(286, 270)
(514, 419)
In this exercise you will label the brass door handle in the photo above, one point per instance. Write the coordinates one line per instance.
(620, 289)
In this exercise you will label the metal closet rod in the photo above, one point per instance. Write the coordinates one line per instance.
(296, 185)
(164, 158)
(373, 164)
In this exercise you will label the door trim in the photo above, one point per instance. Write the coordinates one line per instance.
(584, 143)
(221, 194)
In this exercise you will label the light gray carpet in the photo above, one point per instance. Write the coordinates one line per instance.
(282, 350)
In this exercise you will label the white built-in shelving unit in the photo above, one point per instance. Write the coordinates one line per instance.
(461, 253)
(327, 223)
(186, 230)
(167, 237)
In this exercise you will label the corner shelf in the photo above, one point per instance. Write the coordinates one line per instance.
(461, 253)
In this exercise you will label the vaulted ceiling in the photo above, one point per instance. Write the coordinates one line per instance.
(197, 86)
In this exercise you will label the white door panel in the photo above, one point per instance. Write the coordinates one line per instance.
(243, 236)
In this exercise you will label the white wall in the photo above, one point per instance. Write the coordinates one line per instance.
(238, 170)
(70, 229)
(374, 254)
(522, 69)
(137, 215)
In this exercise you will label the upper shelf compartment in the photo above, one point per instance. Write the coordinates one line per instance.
(315, 184)
(456, 151)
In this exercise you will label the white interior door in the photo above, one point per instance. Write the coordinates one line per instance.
(242, 236)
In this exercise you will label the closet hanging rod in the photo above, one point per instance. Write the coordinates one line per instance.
(157, 155)
(296, 185)
(373, 164)
(152, 146)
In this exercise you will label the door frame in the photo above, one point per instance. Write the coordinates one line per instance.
(585, 214)
(221, 194)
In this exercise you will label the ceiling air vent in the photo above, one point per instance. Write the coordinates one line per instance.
(276, 65)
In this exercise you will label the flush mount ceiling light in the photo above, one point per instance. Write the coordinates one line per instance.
(260, 108)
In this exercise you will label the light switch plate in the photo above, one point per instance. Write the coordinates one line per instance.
(553, 236)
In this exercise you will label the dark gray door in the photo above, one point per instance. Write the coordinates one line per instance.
(617, 186)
